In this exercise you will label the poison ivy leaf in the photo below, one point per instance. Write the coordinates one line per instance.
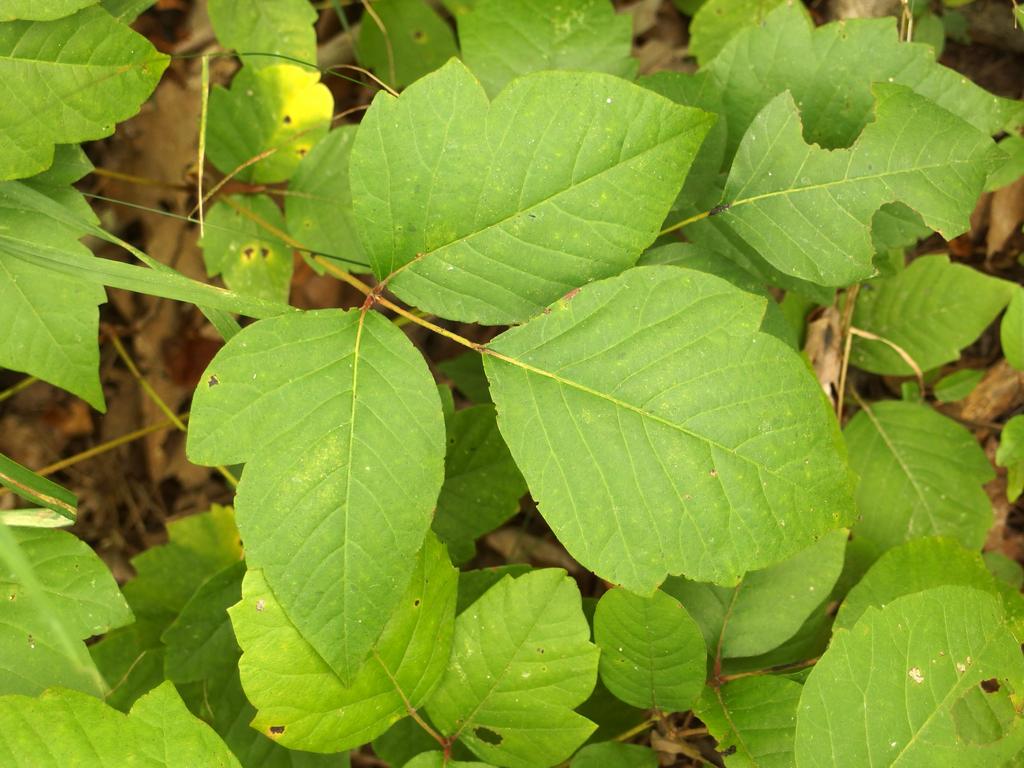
(921, 475)
(1007, 173)
(126, 10)
(318, 207)
(488, 209)
(473, 584)
(808, 211)
(501, 40)
(829, 71)
(915, 566)
(482, 484)
(467, 373)
(646, 462)
(262, 33)
(63, 728)
(1011, 330)
(406, 739)
(438, 760)
(611, 754)
(916, 684)
(1010, 455)
(303, 704)
(276, 113)
(521, 661)
(329, 510)
(652, 651)
(68, 80)
(931, 310)
(38, 490)
(51, 319)
(253, 262)
(753, 719)
(56, 593)
(34, 10)
(415, 41)
(1005, 569)
(718, 21)
(768, 606)
(958, 385)
(809, 642)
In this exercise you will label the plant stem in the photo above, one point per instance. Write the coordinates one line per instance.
(14, 389)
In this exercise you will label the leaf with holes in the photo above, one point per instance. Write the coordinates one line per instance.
(661, 432)
(521, 662)
(329, 511)
(302, 703)
(493, 210)
(652, 652)
(926, 680)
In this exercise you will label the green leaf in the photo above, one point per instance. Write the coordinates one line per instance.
(66, 728)
(55, 594)
(718, 21)
(126, 10)
(521, 661)
(261, 33)
(932, 310)
(418, 41)
(473, 584)
(278, 112)
(331, 513)
(501, 40)
(652, 651)
(912, 567)
(490, 208)
(68, 80)
(438, 760)
(611, 715)
(921, 475)
(482, 484)
(253, 262)
(1011, 330)
(406, 739)
(768, 606)
(1010, 454)
(1004, 569)
(37, 489)
(905, 687)
(611, 754)
(47, 10)
(303, 704)
(647, 462)
(808, 211)
(318, 207)
(958, 385)
(755, 717)
(1008, 172)
(467, 374)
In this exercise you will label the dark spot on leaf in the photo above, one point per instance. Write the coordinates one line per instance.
(714, 473)
(487, 735)
(264, 252)
(302, 151)
(418, 35)
(287, 119)
(249, 252)
(277, 730)
(213, 381)
(729, 751)
(416, 603)
(990, 686)
(540, 650)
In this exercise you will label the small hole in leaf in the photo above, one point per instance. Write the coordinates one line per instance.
(213, 381)
(487, 735)
(287, 119)
(990, 686)
(416, 603)
(277, 730)
(249, 252)
(714, 473)
(264, 252)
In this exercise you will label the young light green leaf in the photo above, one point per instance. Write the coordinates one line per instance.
(916, 684)
(768, 606)
(808, 211)
(652, 651)
(318, 207)
(68, 80)
(753, 719)
(276, 114)
(330, 510)
(489, 209)
(482, 485)
(37, 489)
(1011, 330)
(261, 33)
(718, 21)
(1010, 455)
(501, 40)
(921, 475)
(34, 10)
(611, 754)
(931, 310)
(65, 728)
(413, 42)
(915, 566)
(647, 462)
(521, 661)
(303, 704)
(252, 261)
(55, 594)
(958, 385)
